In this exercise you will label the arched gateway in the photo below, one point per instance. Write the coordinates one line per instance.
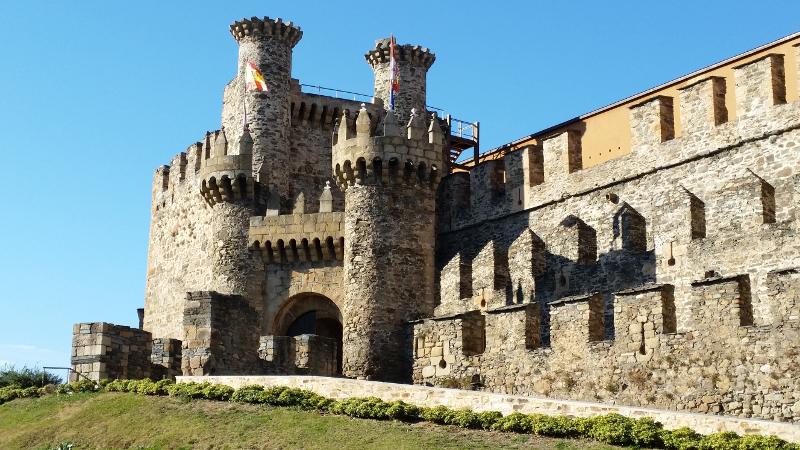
(310, 313)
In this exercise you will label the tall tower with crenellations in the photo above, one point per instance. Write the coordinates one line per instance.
(389, 176)
(413, 63)
(268, 44)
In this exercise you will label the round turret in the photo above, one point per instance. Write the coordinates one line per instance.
(267, 44)
(413, 63)
(389, 179)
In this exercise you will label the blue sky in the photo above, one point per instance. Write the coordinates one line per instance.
(94, 96)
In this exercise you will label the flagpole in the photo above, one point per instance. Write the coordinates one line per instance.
(244, 98)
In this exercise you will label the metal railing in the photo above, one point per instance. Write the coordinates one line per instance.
(336, 92)
(68, 369)
(355, 95)
(463, 129)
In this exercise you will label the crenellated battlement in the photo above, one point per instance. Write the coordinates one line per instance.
(414, 54)
(321, 112)
(550, 170)
(255, 27)
(298, 238)
(387, 155)
(226, 177)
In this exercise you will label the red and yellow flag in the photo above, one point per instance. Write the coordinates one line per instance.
(253, 78)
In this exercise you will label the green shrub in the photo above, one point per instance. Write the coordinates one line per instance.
(726, 440)
(145, 387)
(77, 387)
(363, 408)
(115, 386)
(295, 397)
(64, 446)
(758, 442)
(217, 392)
(647, 432)
(26, 377)
(252, 393)
(271, 395)
(613, 429)
(463, 418)
(488, 418)
(8, 393)
(582, 426)
(190, 390)
(683, 438)
(400, 410)
(557, 426)
(162, 387)
(513, 423)
(437, 414)
(30, 392)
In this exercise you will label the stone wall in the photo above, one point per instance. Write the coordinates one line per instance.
(664, 277)
(165, 359)
(342, 388)
(306, 354)
(199, 231)
(220, 335)
(104, 351)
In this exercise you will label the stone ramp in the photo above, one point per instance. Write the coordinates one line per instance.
(341, 388)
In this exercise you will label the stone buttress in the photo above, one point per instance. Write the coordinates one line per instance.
(389, 177)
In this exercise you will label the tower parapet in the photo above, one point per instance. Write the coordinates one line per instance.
(225, 177)
(389, 155)
(413, 63)
(241, 29)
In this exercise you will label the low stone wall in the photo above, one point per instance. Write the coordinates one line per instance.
(307, 354)
(104, 351)
(220, 333)
(341, 388)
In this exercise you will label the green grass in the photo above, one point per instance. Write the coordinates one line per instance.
(129, 421)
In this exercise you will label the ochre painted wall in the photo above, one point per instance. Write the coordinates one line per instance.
(606, 135)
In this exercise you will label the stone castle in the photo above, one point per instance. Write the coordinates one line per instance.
(334, 237)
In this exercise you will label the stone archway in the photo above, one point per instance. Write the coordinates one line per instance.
(310, 313)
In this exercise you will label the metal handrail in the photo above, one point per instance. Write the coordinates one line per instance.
(68, 369)
(354, 94)
(464, 129)
(336, 91)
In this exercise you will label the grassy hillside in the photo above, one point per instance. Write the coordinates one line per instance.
(130, 421)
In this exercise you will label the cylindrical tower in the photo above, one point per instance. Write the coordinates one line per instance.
(267, 43)
(412, 68)
(226, 183)
(389, 179)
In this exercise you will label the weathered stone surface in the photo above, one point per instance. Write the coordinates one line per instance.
(666, 277)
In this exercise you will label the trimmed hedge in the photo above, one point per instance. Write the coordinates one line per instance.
(610, 429)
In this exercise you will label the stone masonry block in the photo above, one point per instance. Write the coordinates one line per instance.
(760, 84)
(703, 105)
(652, 122)
(490, 275)
(576, 321)
(562, 155)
